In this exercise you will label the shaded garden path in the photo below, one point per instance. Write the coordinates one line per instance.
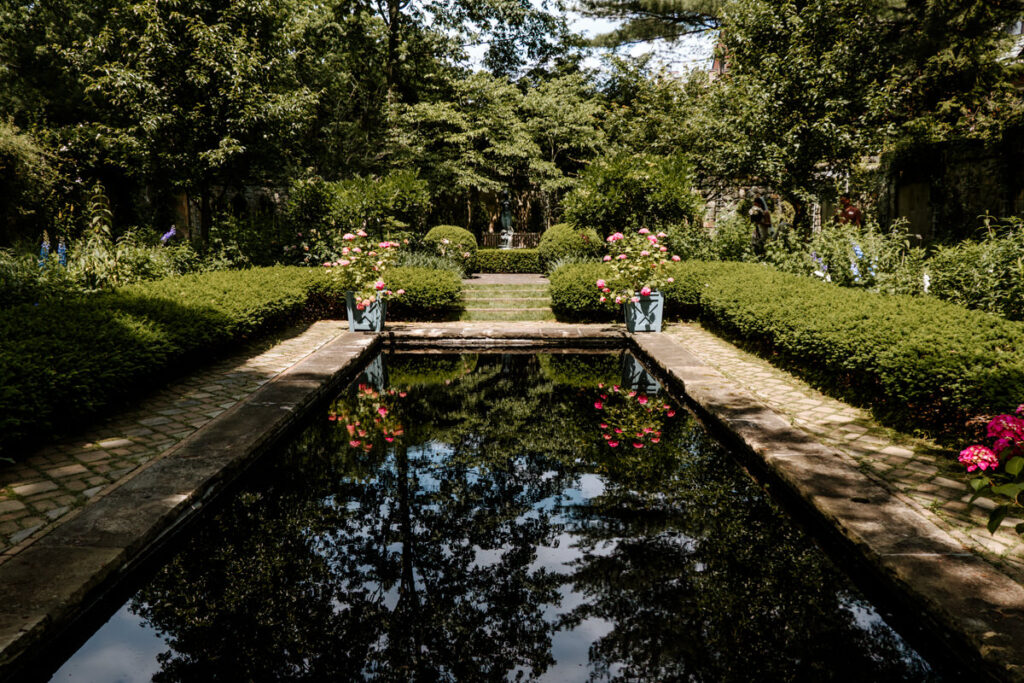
(917, 471)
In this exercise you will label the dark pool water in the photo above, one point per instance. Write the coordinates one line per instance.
(465, 518)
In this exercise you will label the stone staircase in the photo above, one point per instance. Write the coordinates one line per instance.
(506, 302)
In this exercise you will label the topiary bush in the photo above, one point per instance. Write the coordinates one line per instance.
(921, 364)
(62, 361)
(507, 261)
(562, 241)
(574, 295)
(452, 242)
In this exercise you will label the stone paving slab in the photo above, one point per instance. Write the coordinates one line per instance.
(917, 471)
(532, 333)
(51, 581)
(974, 600)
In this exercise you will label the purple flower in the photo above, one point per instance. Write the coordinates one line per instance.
(168, 235)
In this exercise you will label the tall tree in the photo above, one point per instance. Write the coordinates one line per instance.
(646, 20)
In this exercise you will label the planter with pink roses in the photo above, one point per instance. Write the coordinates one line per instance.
(638, 263)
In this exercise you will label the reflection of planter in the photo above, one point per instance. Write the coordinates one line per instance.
(370, 319)
(636, 377)
(645, 315)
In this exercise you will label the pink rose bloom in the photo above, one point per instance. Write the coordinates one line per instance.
(344, 250)
(644, 231)
(635, 299)
(671, 413)
(652, 239)
(622, 257)
(384, 245)
(360, 307)
(675, 258)
(613, 444)
(978, 457)
(379, 285)
(598, 405)
(662, 234)
(642, 400)
(645, 291)
(389, 439)
(361, 233)
(357, 250)
(400, 292)
(601, 284)
(382, 411)
(608, 258)
(603, 426)
(645, 253)
(348, 236)
(618, 299)
(662, 249)
(603, 299)
(353, 443)
(671, 279)
(637, 445)
(344, 262)
(1020, 409)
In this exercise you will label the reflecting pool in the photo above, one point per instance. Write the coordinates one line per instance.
(499, 517)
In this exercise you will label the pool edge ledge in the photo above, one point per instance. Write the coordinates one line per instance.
(965, 595)
(54, 581)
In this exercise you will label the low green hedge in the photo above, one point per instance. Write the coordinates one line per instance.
(62, 361)
(507, 261)
(920, 363)
(574, 294)
(429, 294)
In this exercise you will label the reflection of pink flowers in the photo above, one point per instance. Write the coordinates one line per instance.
(598, 405)
(613, 444)
(642, 400)
(632, 416)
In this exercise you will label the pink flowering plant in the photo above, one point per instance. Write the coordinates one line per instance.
(630, 420)
(999, 468)
(638, 263)
(369, 417)
(362, 268)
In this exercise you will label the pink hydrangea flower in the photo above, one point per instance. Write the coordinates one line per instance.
(635, 299)
(608, 257)
(361, 233)
(348, 236)
(400, 292)
(675, 258)
(645, 291)
(379, 285)
(601, 284)
(644, 231)
(978, 457)
(622, 257)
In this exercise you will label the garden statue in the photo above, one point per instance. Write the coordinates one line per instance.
(762, 220)
(506, 221)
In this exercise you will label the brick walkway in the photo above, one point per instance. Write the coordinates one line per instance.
(917, 471)
(49, 486)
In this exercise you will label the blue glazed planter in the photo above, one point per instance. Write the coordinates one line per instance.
(645, 315)
(370, 319)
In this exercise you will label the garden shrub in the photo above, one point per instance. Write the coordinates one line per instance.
(64, 360)
(408, 371)
(624, 191)
(429, 294)
(507, 261)
(451, 241)
(563, 240)
(574, 295)
(922, 364)
(581, 371)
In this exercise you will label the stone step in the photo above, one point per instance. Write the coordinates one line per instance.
(496, 315)
(507, 303)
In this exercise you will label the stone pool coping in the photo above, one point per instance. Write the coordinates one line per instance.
(51, 582)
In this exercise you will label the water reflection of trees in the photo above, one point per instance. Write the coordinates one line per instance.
(417, 559)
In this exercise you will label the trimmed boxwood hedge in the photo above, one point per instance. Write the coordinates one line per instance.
(63, 361)
(920, 363)
(460, 241)
(562, 240)
(574, 295)
(507, 261)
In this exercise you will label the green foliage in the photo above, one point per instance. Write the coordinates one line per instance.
(921, 364)
(453, 242)
(421, 259)
(647, 20)
(574, 294)
(507, 261)
(429, 294)
(987, 274)
(319, 213)
(563, 240)
(627, 191)
(729, 240)
(581, 371)
(64, 361)
(27, 178)
(409, 370)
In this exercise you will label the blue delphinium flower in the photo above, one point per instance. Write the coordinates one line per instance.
(168, 235)
(857, 251)
(62, 253)
(44, 251)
